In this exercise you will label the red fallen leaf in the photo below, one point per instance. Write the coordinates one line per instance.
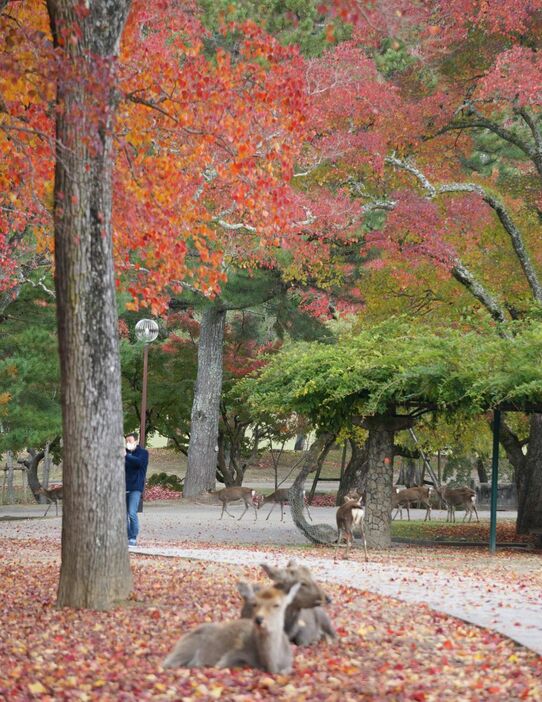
(447, 644)
(419, 696)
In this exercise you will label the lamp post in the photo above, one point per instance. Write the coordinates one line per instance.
(146, 330)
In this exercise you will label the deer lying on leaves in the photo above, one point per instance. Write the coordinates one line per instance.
(280, 497)
(404, 498)
(459, 497)
(351, 514)
(234, 494)
(54, 494)
(259, 642)
(305, 621)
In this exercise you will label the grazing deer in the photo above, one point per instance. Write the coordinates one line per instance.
(463, 497)
(259, 642)
(349, 515)
(280, 497)
(234, 494)
(53, 494)
(404, 498)
(305, 621)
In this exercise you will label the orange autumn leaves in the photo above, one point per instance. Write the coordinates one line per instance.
(205, 140)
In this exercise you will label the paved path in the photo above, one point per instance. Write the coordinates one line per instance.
(516, 613)
(504, 606)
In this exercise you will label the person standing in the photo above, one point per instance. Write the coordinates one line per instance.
(135, 466)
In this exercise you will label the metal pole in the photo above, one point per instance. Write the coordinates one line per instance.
(144, 397)
(494, 482)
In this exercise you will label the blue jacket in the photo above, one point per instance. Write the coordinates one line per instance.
(135, 465)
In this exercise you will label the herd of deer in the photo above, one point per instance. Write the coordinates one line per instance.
(271, 619)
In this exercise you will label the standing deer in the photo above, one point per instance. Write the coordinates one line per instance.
(349, 515)
(234, 494)
(463, 497)
(53, 494)
(259, 642)
(305, 621)
(280, 497)
(404, 498)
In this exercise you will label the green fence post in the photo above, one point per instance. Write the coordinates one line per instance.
(494, 481)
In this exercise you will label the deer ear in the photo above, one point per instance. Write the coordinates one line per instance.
(246, 591)
(292, 592)
(292, 563)
(273, 573)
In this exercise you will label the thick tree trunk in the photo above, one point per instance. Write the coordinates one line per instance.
(530, 481)
(32, 464)
(95, 570)
(317, 533)
(202, 449)
(380, 447)
(527, 472)
(355, 474)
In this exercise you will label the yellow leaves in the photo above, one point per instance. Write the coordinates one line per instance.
(36, 688)
(5, 397)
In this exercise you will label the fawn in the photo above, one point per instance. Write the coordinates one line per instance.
(404, 498)
(53, 494)
(349, 515)
(280, 497)
(234, 494)
(305, 621)
(259, 642)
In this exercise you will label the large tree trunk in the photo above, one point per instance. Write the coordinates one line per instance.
(380, 447)
(95, 570)
(527, 473)
(32, 464)
(317, 533)
(529, 481)
(202, 449)
(355, 474)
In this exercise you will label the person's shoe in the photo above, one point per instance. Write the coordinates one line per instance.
(132, 542)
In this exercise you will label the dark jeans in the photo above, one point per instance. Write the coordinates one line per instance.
(132, 502)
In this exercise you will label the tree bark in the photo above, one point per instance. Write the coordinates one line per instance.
(380, 448)
(529, 481)
(527, 473)
(202, 449)
(355, 474)
(317, 533)
(32, 463)
(95, 570)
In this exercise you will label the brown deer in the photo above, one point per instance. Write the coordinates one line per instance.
(280, 497)
(259, 642)
(53, 494)
(235, 494)
(349, 515)
(463, 497)
(404, 498)
(305, 621)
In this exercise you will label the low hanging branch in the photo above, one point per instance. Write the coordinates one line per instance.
(316, 533)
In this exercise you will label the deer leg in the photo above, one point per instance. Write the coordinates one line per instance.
(339, 537)
(427, 512)
(348, 542)
(272, 508)
(408, 511)
(225, 509)
(48, 508)
(282, 511)
(255, 510)
(246, 507)
(476, 512)
(362, 529)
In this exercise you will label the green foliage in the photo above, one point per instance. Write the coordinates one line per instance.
(394, 365)
(170, 481)
(30, 413)
(291, 21)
